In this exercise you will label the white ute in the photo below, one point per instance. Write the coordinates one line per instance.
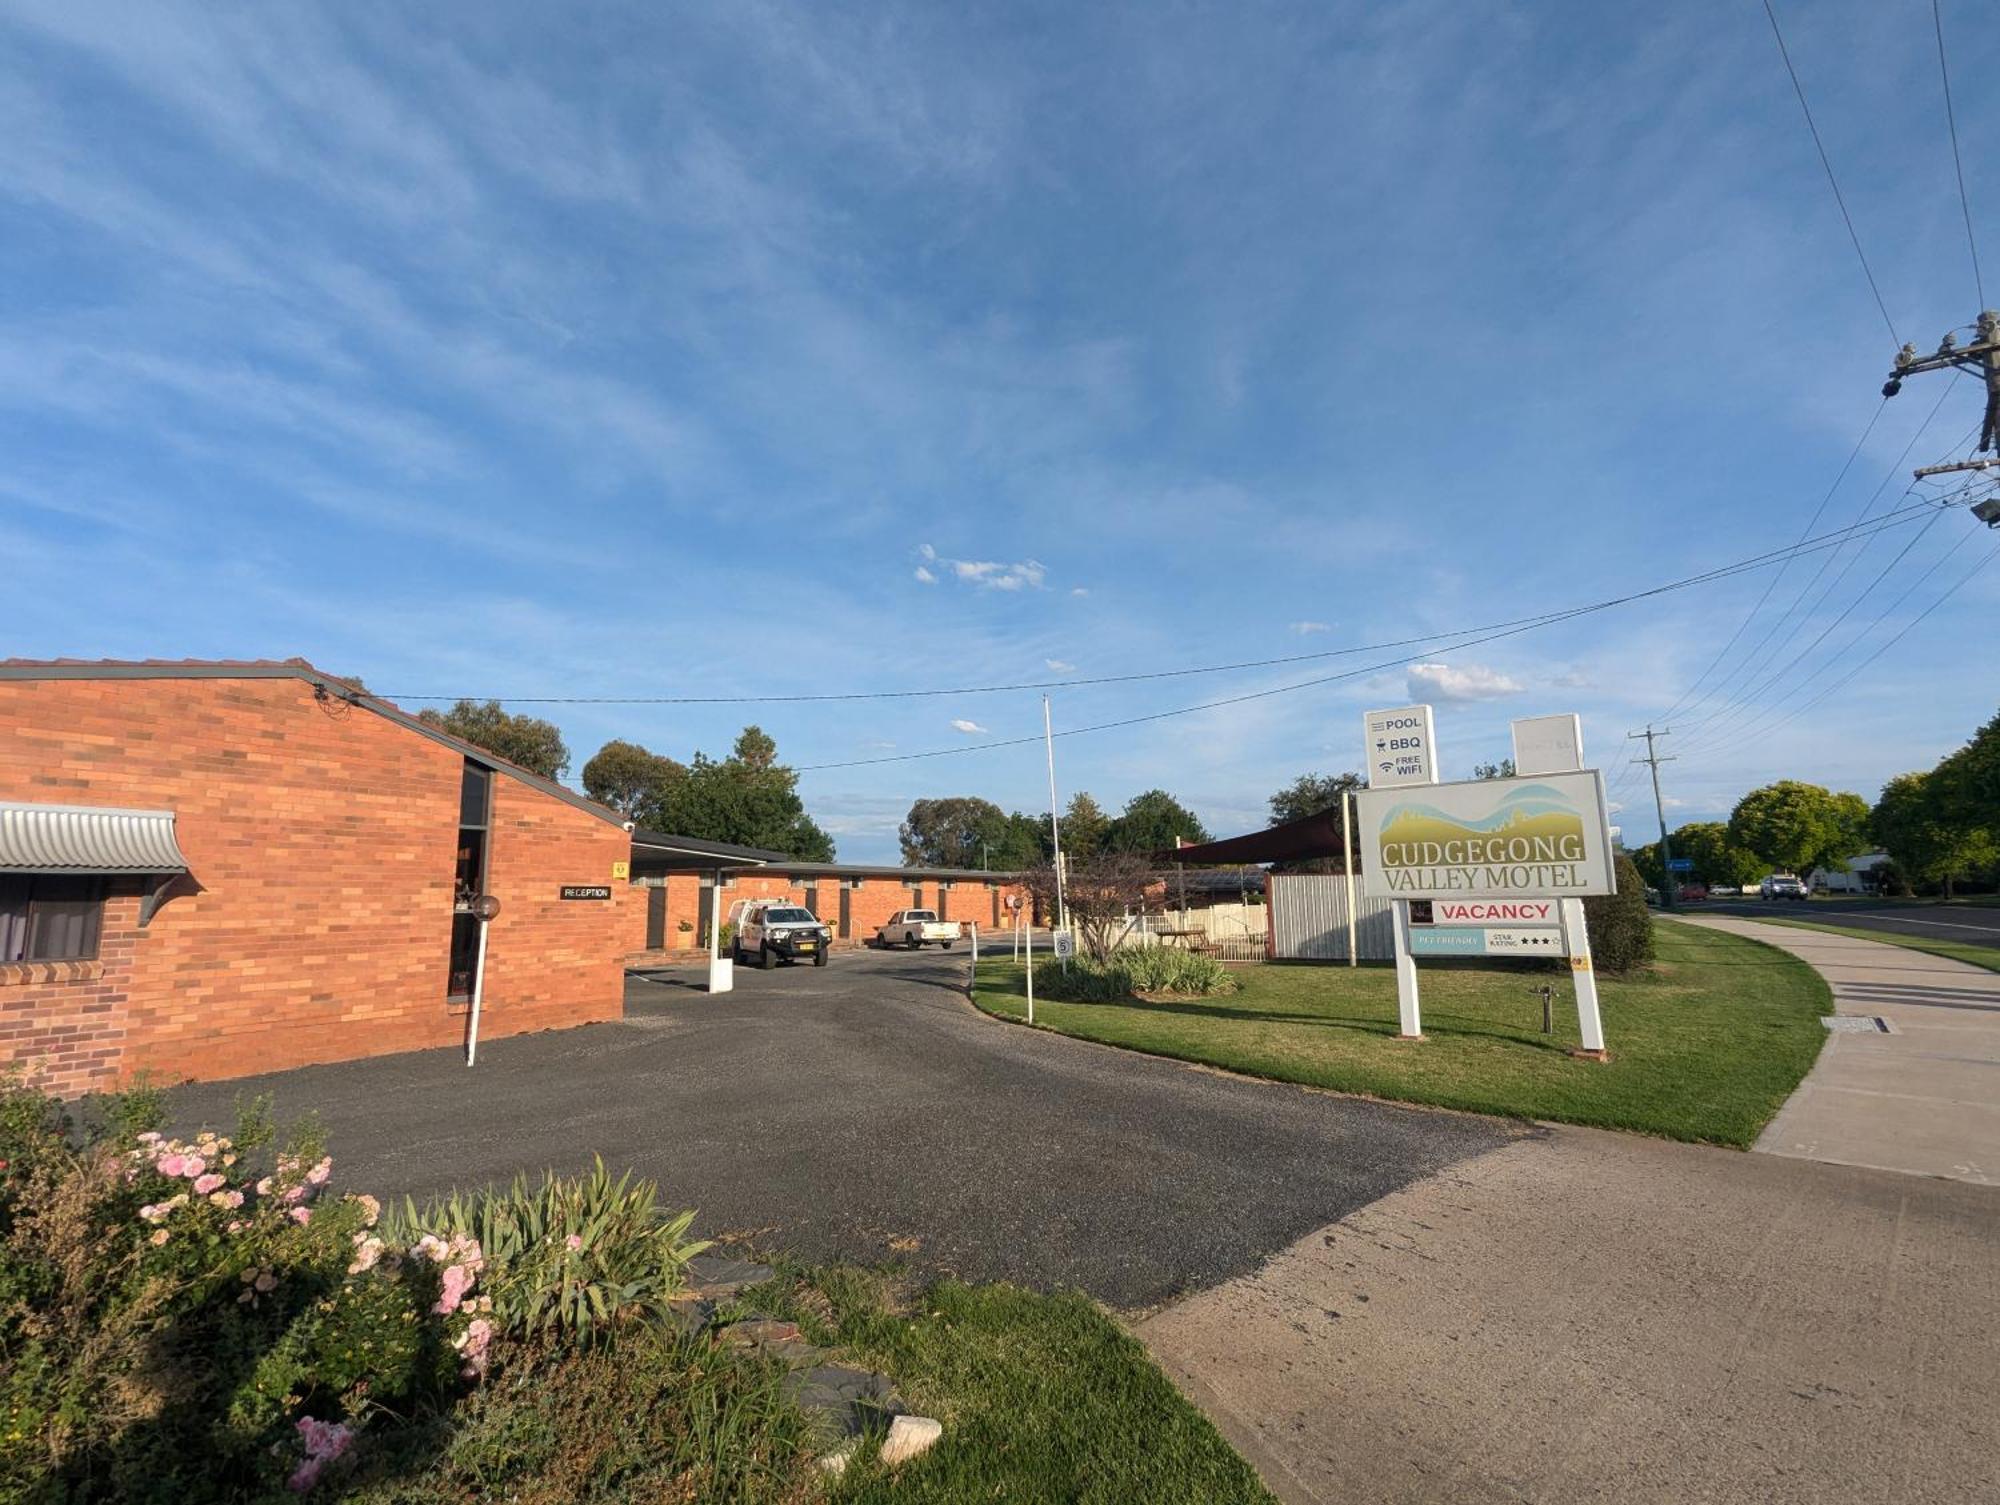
(917, 928)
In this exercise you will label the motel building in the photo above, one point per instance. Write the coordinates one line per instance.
(213, 869)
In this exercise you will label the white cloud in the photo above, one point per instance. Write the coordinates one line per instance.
(1077, 590)
(927, 551)
(994, 575)
(1303, 629)
(926, 576)
(1057, 666)
(1461, 682)
(970, 728)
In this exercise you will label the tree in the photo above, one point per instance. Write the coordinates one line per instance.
(749, 799)
(1619, 927)
(1504, 769)
(526, 741)
(958, 832)
(1309, 794)
(1969, 780)
(1150, 822)
(1084, 827)
(1797, 827)
(1716, 859)
(629, 779)
(1101, 891)
(1919, 825)
(1024, 843)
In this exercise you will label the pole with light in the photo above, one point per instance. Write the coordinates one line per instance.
(483, 909)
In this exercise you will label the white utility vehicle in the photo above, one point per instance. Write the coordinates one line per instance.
(917, 928)
(770, 929)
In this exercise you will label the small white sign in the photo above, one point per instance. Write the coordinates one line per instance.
(1548, 744)
(1065, 943)
(1400, 747)
(1494, 912)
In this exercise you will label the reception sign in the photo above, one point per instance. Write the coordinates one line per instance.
(1543, 837)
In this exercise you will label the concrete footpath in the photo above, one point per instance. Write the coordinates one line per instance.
(1924, 1098)
(1595, 1316)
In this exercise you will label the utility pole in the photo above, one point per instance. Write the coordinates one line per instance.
(1669, 893)
(1055, 830)
(1981, 359)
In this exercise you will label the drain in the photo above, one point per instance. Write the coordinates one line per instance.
(1857, 1024)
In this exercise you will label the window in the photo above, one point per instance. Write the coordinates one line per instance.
(49, 918)
(475, 819)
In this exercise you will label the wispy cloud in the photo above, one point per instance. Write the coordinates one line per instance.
(969, 728)
(1307, 629)
(922, 572)
(1057, 666)
(1460, 682)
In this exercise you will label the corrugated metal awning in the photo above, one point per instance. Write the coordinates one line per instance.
(87, 839)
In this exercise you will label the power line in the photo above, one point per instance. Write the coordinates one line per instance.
(1832, 182)
(1899, 635)
(1772, 584)
(1754, 660)
(1834, 539)
(1951, 120)
(1435, 646)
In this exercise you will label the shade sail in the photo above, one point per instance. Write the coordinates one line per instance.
(1295, 841)
(87, 839)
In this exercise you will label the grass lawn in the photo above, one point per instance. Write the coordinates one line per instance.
(1042, 1397)
(1959, 951)
(1705, 1044)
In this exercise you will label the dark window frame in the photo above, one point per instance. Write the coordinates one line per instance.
(475, 832)
(38, 912)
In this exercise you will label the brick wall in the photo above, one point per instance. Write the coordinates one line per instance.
(871, 902)
(317, 924)
(65, 1021)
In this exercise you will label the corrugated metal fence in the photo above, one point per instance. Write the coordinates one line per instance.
(1309, 919)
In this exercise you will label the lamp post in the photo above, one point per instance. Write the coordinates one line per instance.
(483, 908)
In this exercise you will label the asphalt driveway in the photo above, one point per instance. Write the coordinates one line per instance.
(1968, 924)
(864, 1110)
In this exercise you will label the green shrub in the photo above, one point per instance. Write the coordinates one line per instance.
(1620, 926)
(573, 1256)
(1153, 969)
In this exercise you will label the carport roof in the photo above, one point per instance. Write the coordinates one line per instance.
(658, 851)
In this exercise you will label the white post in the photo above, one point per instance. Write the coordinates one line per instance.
(478, 991)
(1576, 939)
(1031, 977)
(1407, 1011)
(1347, 839)
(721, 970)
(1055, 830)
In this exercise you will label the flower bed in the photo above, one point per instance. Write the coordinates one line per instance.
(203, 1319)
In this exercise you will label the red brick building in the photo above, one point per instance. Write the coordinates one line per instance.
(208, 870)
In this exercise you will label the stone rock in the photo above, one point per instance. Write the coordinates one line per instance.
(692, 1315)
(717, 1276)
(909, 1437)
(759, 1332)
(846, 1399)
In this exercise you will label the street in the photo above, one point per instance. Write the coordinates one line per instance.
(1969, 924)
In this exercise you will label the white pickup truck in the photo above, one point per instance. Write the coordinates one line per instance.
(917, 928)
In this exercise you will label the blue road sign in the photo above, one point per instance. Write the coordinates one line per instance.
(1680, 864)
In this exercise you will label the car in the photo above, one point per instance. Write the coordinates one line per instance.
(1783, 886)
(777, 930)
(917, 928)
(1694, 892)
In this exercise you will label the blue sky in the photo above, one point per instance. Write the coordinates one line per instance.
(651, 350)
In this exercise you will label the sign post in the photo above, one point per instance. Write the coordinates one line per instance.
(1347, 864)
(1584, 976)
(721, 969)
(484, 908)
(1554, 744)
(1401, 748)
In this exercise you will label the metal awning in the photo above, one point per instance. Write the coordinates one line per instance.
(662, 852)
(87, 839)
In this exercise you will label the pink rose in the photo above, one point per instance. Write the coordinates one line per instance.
(170, 1165)
(295, 1195)
(318, 1174)
(203, 1185)
(264, 1186)
(231, 1200)
(160, 1236)
(574, 1242)
(193, 1165)
(302, 1215)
